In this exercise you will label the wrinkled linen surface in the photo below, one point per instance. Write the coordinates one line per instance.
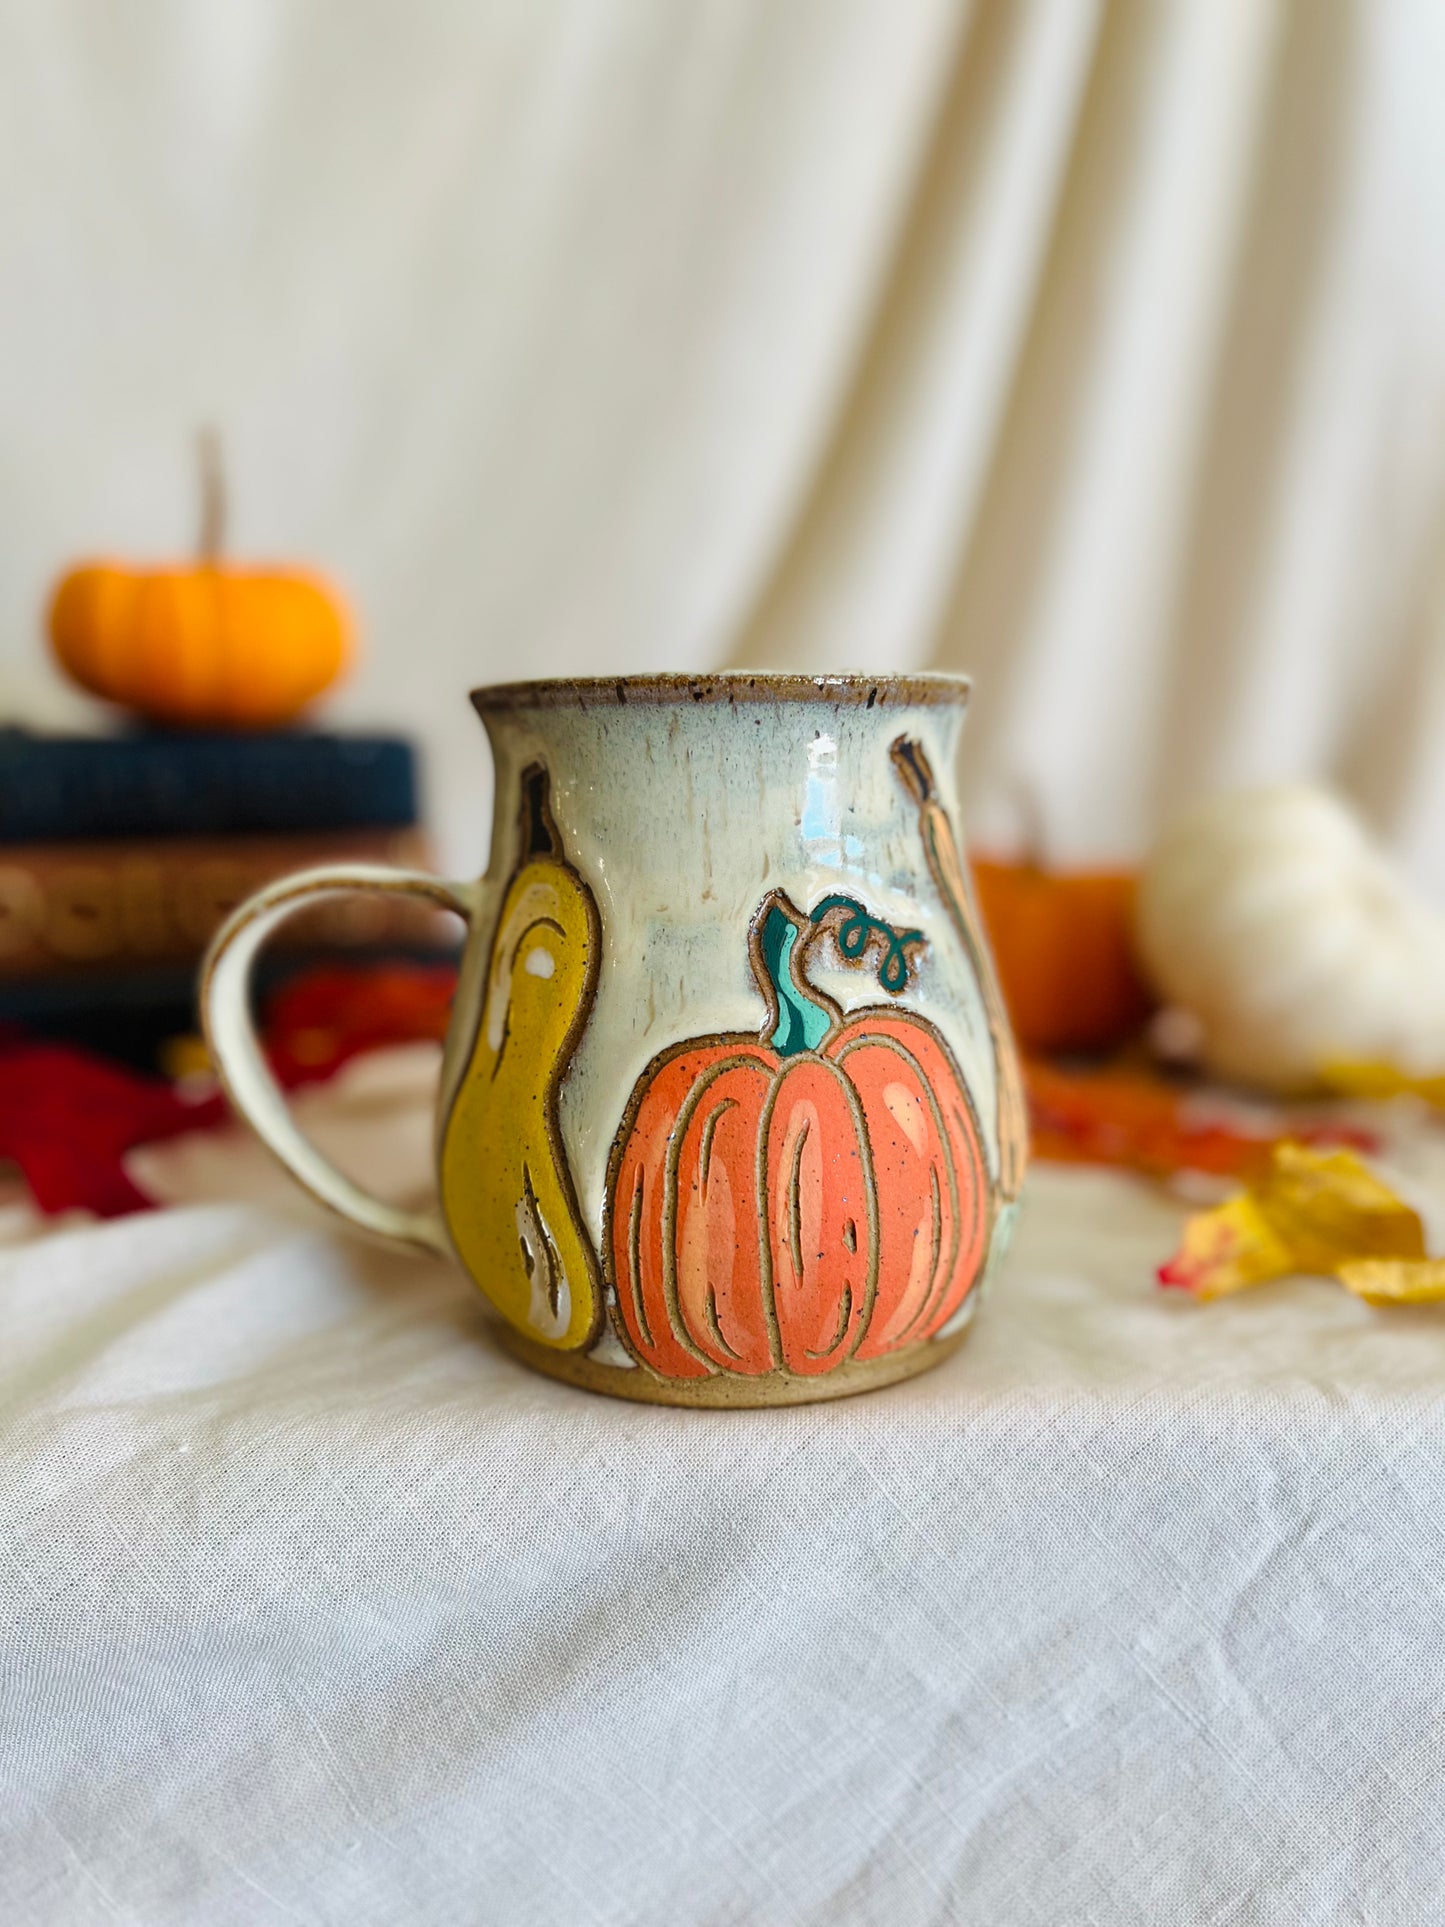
(315, 1607)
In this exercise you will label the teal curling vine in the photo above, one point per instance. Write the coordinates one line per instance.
(857, 931)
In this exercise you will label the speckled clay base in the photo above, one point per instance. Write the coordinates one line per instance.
(646, 1388)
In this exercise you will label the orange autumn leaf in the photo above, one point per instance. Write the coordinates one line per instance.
(1312, 1211)
(1141, 1123)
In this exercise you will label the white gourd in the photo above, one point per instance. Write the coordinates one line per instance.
(1291, 937)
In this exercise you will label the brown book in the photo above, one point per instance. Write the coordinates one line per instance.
(83, 908)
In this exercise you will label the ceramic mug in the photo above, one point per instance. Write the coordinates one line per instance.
(729, 1112)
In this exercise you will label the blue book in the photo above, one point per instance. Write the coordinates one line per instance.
(66, 788)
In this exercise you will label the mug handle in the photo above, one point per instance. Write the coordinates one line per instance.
(236, 1051)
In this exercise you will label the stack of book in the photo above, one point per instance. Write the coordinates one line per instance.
(120, 856)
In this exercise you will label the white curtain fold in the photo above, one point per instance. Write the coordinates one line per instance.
(1094, 346)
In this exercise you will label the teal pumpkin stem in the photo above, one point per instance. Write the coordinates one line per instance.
(856, 932)
(804, 1017)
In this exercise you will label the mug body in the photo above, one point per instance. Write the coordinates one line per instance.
(729, 1113)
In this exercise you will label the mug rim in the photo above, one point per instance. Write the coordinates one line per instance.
(923, 687)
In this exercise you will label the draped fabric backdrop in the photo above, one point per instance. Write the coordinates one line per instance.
(1096, 349)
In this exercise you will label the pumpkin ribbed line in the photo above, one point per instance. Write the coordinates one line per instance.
(768, 1243)
(634, 1265)
(941, 1272)
(677, 1319)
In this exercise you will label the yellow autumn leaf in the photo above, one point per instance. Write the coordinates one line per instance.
(1329, 1205)
(1378, 1081)
(1312, 1211)
(1227, 1249)
(1395, 1281)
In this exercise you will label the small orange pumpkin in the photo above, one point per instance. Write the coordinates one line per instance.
(1063, 943)
(205, 646)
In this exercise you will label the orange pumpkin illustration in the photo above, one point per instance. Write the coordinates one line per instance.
(790, 1201)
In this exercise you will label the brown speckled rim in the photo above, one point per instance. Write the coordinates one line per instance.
(616, 692)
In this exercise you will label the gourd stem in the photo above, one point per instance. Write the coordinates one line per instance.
(213, 496)
(951, 880)
(540, 836)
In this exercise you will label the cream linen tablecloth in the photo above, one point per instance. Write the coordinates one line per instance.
(316, 1608)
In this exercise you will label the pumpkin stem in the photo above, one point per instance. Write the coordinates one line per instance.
(213, 497)
(910, 759)
(799, 1017)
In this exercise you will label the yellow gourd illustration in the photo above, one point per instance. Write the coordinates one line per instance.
(506, 1189)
